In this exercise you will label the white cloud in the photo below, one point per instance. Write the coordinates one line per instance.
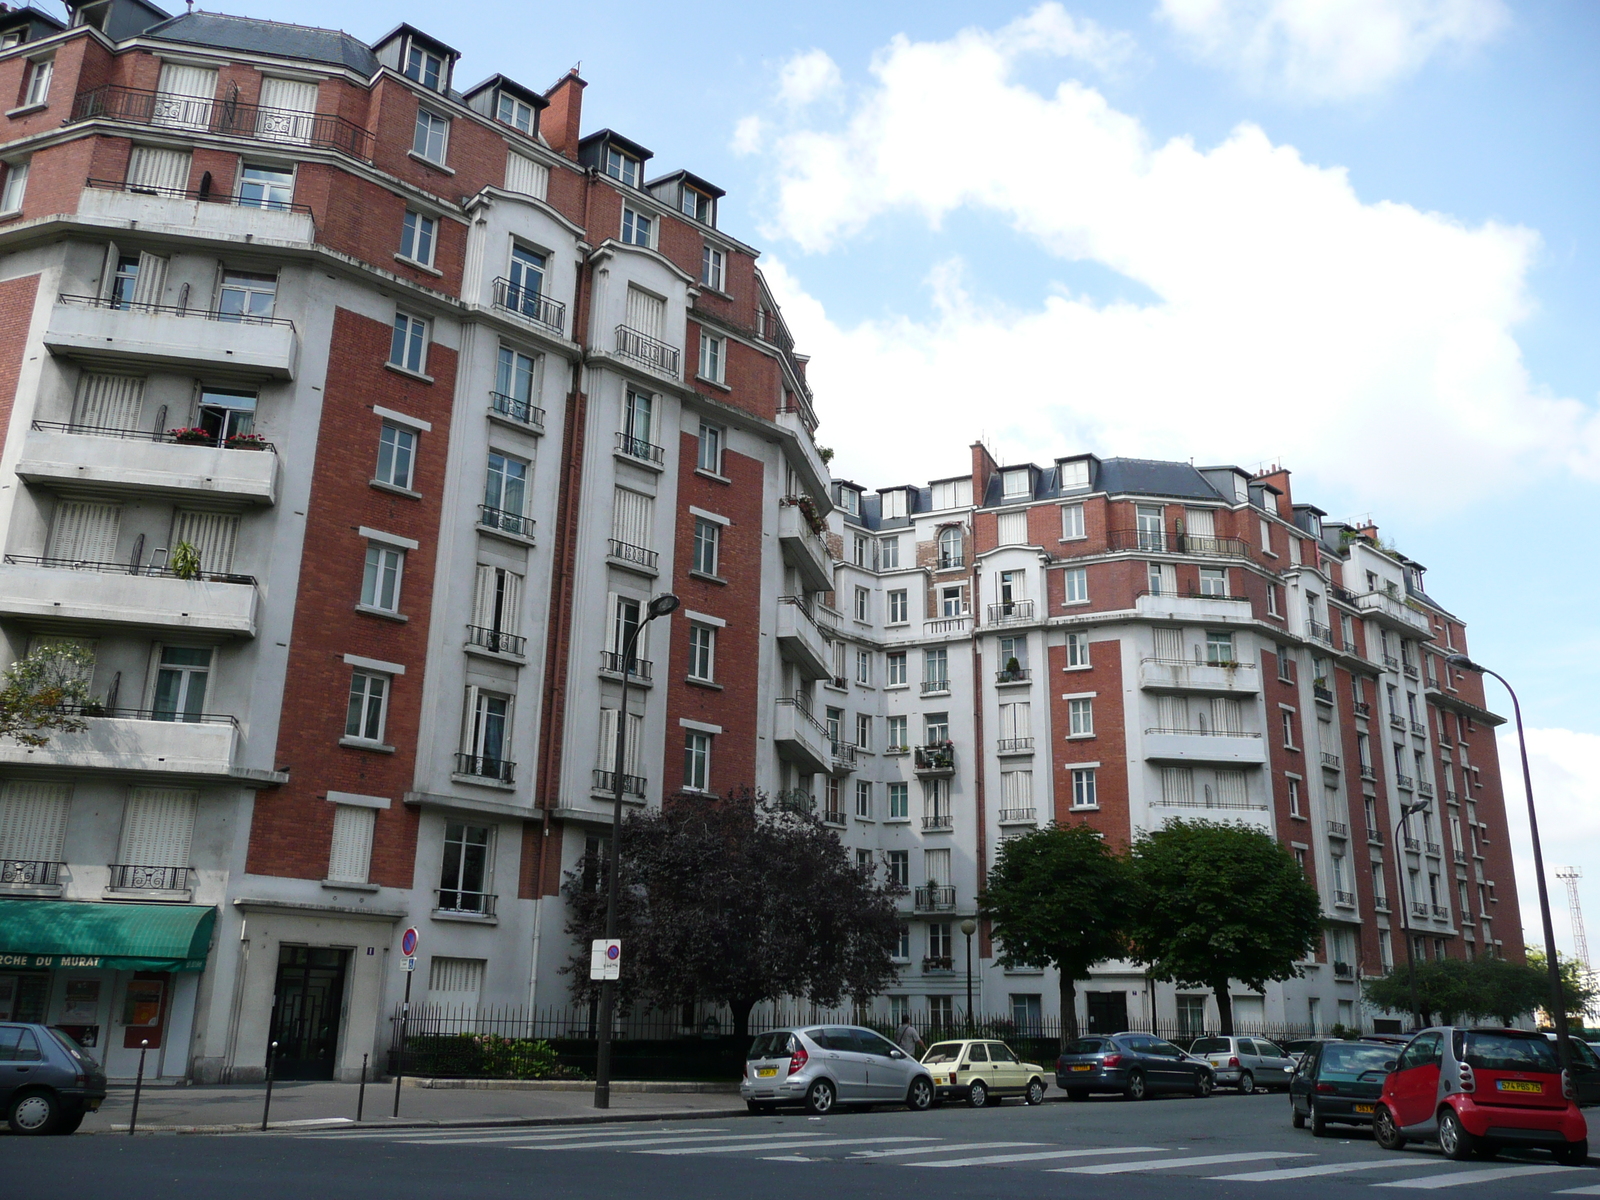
(748, 134)
(1370, 343)
(807, 77)
(1330, 49)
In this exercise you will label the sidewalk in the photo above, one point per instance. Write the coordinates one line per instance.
(229, 1107)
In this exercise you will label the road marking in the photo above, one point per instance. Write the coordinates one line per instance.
(675, 1139)
(490, 1139)
(1327, 1169)
(785, 1145)
(1167, 1164)
(1458, 1178)
(1593, 1190)
(1007, 1158)
(942, 1149)
(368, 1133)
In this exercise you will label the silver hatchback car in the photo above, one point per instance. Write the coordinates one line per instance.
(1246, 1063)
(822, 1066)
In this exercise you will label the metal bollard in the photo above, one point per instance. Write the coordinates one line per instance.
(361, 1096)
(138, 1086)
(266, 1107)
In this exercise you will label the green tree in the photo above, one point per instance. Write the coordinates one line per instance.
(1578, 991)
(1218, 902)
(43, 691)
(1446, 987)
(1060, 896)
(735, 900)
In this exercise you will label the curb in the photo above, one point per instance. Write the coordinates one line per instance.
(572, 1085)
(329, 1123)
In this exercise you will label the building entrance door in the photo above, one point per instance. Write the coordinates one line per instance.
(305, 1012)
(1108, 1011)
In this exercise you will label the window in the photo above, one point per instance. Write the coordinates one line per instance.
(706, 536)
(488, 735)
(861, 552)
(1219, 648)
(711, 268)
(1016, 485)
(1075, 581)
(1014, 650)
(408, 346)
(1272, 602)
(350, 852)
(938, 728)
(622, 167)
(709, 457)
(264, 187)
(1285, 673)
(1294, 797)
(635, 228)
(889, 554)
(1077, 649)
(711, 358)
(516, 113)
(892, 503)
(246, 294)
(397, 448)
(526, 177)
(417, 234)
(697, 761)
(952, 602)
(1080, 718)
(862, 598)
(702, 651)
(226, 414)
(638, 409)
(1072, 522)
(39, 82)
(516, 386)
(864, 800)
(864, 667)
(380, 582)
(936, 808)
(1288, 729)
(369, 695)
(899, 806)
(863, 858)
(900, 861)
(951, 552)
(850, 501)
(936, 670)
(895, 733)
(1151, 530)
(898, 608)
(181, 678)
(696, 205)
(426, 68)
(1213, 581)
(894, 668)
(505, 492)
(1083, 788)
(464, 873)
(431, 135)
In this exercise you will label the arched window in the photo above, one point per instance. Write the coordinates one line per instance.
(950, 548)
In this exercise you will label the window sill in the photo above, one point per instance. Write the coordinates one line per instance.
(464, 917)
(1080, 737)
(716, 383)
(483, 781)
(936, 695)
(1080, 667)
(866, 820)
(897, 625)
(643, 463)
(363, 744)
(713, 476)
(348, 885)
(1298, 817)
(382, 612)
(834, 687)
(27, 109)
(708, 684)
(418, 266)
(394, 489)
(1084, 808)
(1080, 538)
(497, 655)
(1074, 604)
(627, 564)
(897, 687)
(897, 820)
(716, 579)
(520, 539)
(11, 214)
(408, 372)
(430, 164)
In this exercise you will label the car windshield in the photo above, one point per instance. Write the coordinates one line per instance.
(1085, 1046)
(1510, 1052)
(944, 1052)
(770, 1045)
(1209, 1046)
(1348, 1060)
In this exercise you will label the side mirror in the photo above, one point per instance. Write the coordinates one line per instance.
(897, 1054)
(1391, 1065)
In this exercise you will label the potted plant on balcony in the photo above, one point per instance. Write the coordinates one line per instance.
(808, 510)
(185, 561)
(192, 436)
(1012, 672)
(245, 441)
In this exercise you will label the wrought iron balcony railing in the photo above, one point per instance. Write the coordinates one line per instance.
(506, 522)
(227, 117)
(516, 410)
(632, 785)
(18, 872)
(639, 448)
(496, 641)
(531, 305)
(131, 877)
(486, 766)
(459, 903)
(645, 350)
(630, 553)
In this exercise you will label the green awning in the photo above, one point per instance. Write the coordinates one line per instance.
(117, 937)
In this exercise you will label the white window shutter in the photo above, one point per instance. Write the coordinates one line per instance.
(526, 176)
(1200, 522)
(510, 602)
(33, 820)
(151, 283)
(213, 535)
(350, 856)
(292, 104)
(152, 167)
(630, 759)
(633, 517)
(1013, 529)
(608, 738)
(646, 313)
(1169, 644)
(157, 825)
(483, 598)
(84, 532)
(109, 401)
(457, 982)
(469, 721)
(185, 96)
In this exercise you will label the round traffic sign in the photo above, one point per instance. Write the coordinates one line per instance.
(408, 942)
(613, 951)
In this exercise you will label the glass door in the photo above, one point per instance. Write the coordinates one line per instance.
(305, 1015)
(181, 683)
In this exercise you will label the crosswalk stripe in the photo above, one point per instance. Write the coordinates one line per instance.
(675, 1139)
(942, 1149)
(1326, 1169)
(1036, 1157)
(1167, 1164)
(1592, 1190)
(784, 1145)
(1459, 1178)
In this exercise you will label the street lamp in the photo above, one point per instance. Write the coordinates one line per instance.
(1406, 810)
(1558, 1012)
(969, 927)
(658, 607)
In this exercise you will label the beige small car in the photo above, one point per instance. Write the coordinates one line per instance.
(981, 1071)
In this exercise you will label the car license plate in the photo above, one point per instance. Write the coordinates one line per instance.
(1365, 1109)
(1082, 1067)
(765, 1072)
(1519, 1085)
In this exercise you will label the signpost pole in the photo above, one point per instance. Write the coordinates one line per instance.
(266, 1105)
(138, 1086)
(408, 951)
(361, 1096)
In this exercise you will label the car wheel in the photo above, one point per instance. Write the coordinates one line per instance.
(1319, 1127)
(919, 1098)
(977, 1094)
(1573, 1154)
(35, 1113)
(1203, 1083)
(820, 1097)
(1035, 1091)
(1385, 1132)
(1247, 1084)
(1296, 1117)
(1454, 1141)
(1136, 1089)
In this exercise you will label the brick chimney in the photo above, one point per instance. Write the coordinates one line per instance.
(1278, 478)
(561, 121)
(983, 469)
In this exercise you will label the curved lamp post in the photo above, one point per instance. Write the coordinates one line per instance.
(658, 607)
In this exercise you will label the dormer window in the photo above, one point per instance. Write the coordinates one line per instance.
(850, 501)
(516, 113)
(622, 167)
(1016, 485)
(893, 503)
(12, 37)
(697, 205)
(425, 67)
(1074, 474)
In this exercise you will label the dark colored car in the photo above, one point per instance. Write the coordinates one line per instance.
(47, 1083)
(1338, 1082)
(1136, 1065)
(1585, 1071)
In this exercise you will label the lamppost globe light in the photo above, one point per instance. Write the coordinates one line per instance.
(969, 927)
(663, 604)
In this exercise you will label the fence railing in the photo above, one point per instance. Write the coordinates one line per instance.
(227, 116)
(647, 351)
(530, 304)
(176, 310)
(496, 641)
(629, 553)
(639, 448)
(19, 872)
(115, 568)
(484, 766)
(177, 437)
(131, 877)
(520, 411)
(209, 197)
(605, 781)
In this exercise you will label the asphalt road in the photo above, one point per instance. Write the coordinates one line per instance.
(1174, 1149)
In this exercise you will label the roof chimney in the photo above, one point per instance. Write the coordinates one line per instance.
(561, 121)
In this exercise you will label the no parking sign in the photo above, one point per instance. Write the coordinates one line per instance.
(605, 958)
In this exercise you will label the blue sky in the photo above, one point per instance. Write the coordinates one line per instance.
(1357, 237)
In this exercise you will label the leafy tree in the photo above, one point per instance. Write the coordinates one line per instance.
(1482, 989)
(1578, 992)
(1219, 902)
(42, 690)
(1060, 896)
(736, 900)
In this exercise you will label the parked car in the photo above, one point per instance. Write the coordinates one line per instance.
(48, 1083)
(1339, 1082)
(1475, 1091)
(1135, 1064)
(981, 1071)
(1245, 1063)
(1585, 1071)
(1297, 1048)
(823, 1066)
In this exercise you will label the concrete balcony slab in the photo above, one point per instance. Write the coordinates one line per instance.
(103, 461)
(144, 601)
(130, 744)
(165, 336)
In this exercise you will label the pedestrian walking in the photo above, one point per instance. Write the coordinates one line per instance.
(908, 1038)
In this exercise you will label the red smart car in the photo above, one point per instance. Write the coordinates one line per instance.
(1475, 1091)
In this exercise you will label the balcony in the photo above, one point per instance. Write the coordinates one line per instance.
(1368, 771)
(228, 118)
(115, 594)
(1418, 909)
(1413, 844)
(500, 520)
(834, 817)
(1345, 899)
(1405, 783)
(1460, 857)
(152, 462)
(951, 562)
(496, 642)
(1361, 708)
(1188, 675)
(1322, 694)
(938, 964)
(1391, 610)
(1344, 970)
(631, 557)
(803, 546)
(531, 307)
(1020, 675)
(1440, 912)
(1019, 816)
(519, 414)
(1391, 663)
(799, 639)
(1410, 671)
(1375, 835)
(1198, 610)
(137, 740)
(1433, 848)
(195, 340)
(940, 626)
(639, 669)
(473, 768)
(34, 878)
(938, 823)
(1014, 746)
(1424, 788)
(1418, 729)
(1159, 541)
(1338, 829)
(800, 737)
(935, 687)
(209, 212)
(153, 882)
(1396, 721)
(1195, 745)
(934, 898)
(644, 351)
(1319, 632)
(842, 758)
(1380, 904)
(1450, 797)
(606, 782)
(640, 450)
(935, 761)
(464, 904)
(1331, 761)
(1011, 612)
